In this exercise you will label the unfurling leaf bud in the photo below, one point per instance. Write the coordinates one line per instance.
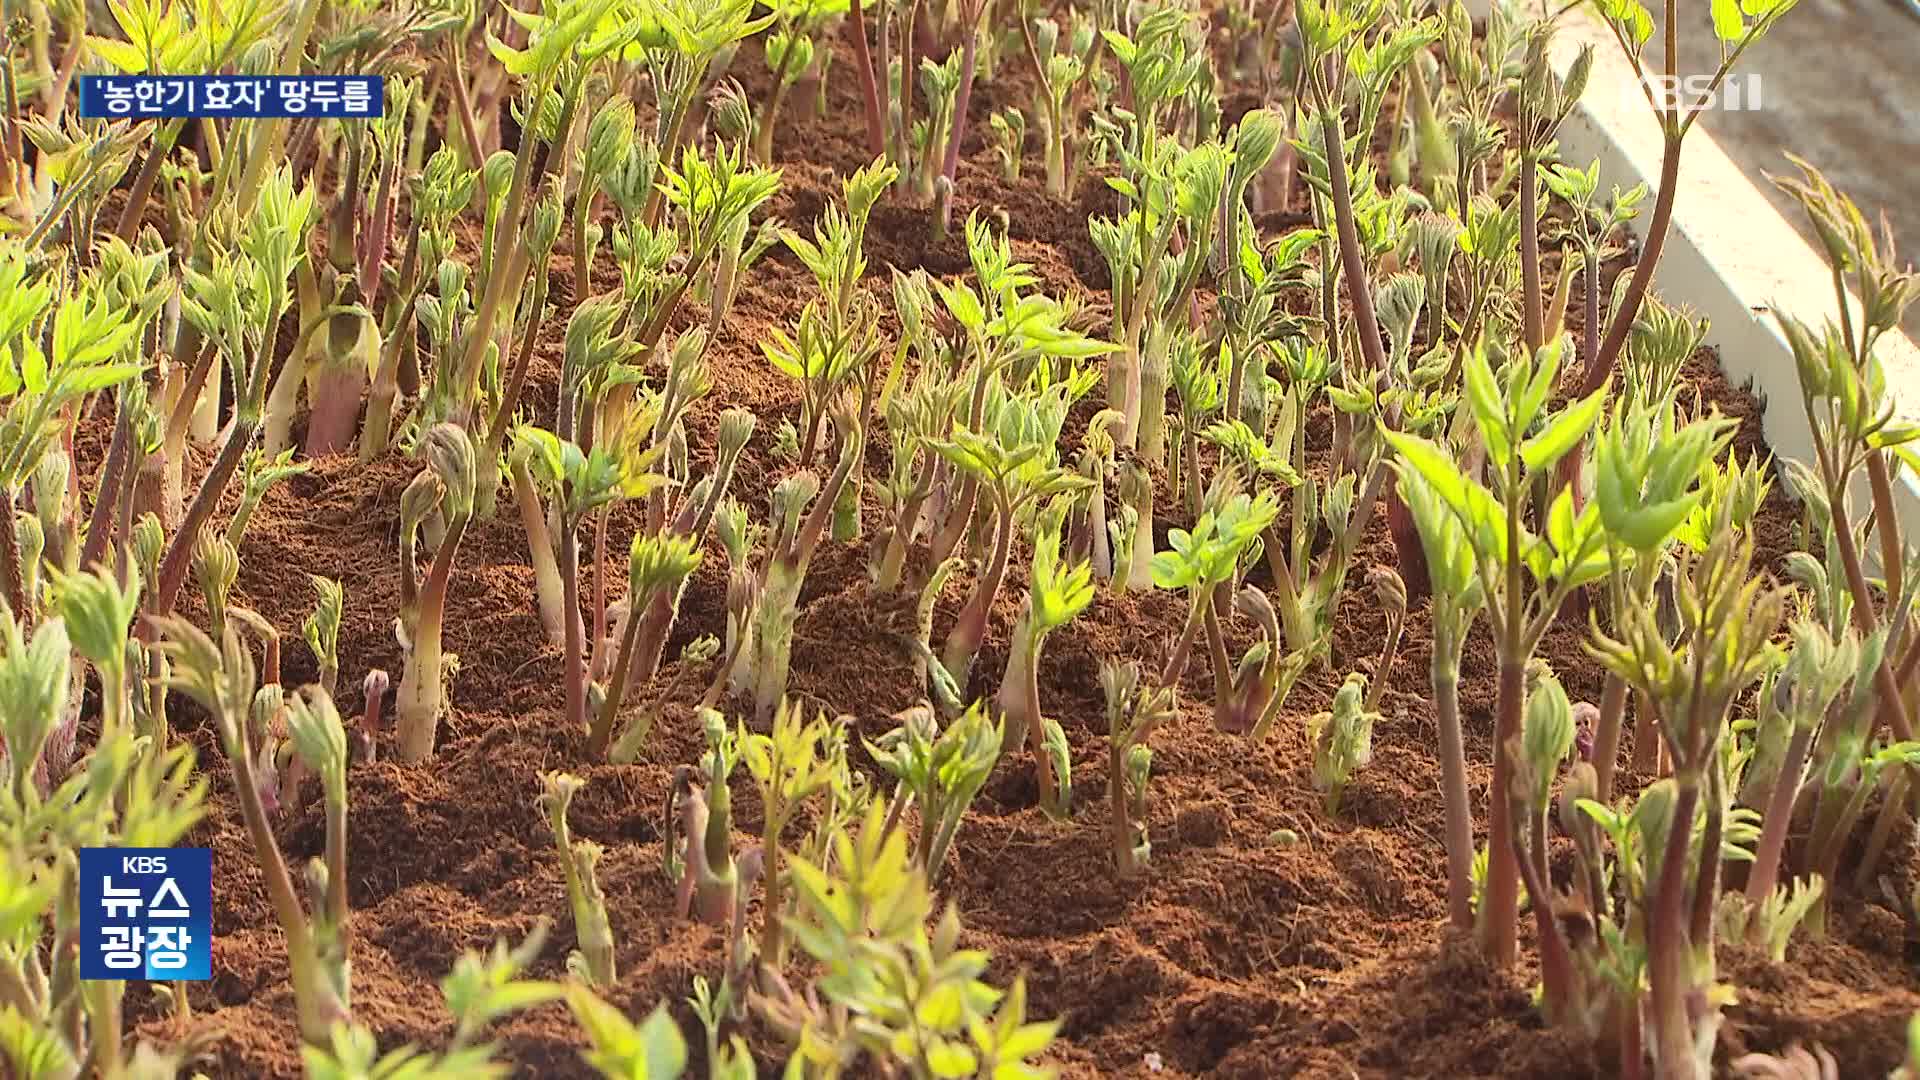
(731, 113)
(1575, 84)
(496, 176)
(320, 739)
(660, 561)
(266, 780)
(1817, 670)
(260, 58)
(149, 541)
(449, 453)
(736, 427)
(1342, 739)
(317, 878)
(216, 566)
(591, 925)
(1652, 818)
(678, 460)
(543, 226)
(731, 525)
(700, 650)
(322, 628)
(374, 687)
(420, 499)
(609, 138)
(790, 497)
(1548, 734)
(1261, 132)
(743, 594)
(50, 489)
(33, 691)
(31, 538)
(1053, 740)
(1139, 769)
(557, 792)
(1390, 591)
(98, 612)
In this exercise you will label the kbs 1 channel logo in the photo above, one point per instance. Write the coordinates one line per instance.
(146, 913)
(234, 97)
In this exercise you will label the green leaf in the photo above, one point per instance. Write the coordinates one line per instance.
(952, 1060)
(33, 369)
(1489, 406)
(964, 305)
(1434, 466)
(654, 1050)
(1727, 23)
(1028, 1040)
(98, 377)
(1563, 432)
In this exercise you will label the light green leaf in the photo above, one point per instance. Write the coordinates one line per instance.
(1563, 432)
(1727, 23)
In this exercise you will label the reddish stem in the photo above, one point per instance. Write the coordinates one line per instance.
(876, 118)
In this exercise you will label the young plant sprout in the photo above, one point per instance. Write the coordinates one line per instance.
(1010, 135)
(791, 52)
(445, 486)
(838, 341)
(700, 814)
(1132, 531)
(1844, 397)
(579, 484)
(795, 762)
(1391, 593)
(1063, 69)
(237, 305)
(1342, 740)
(1202, 562)
(1135, 708)
(593, 962)
(259, 475)
(1458, 597)
(1014, 466)
(221, 678)
(480, 990)
(925, 411)
(96, 610)
(1728, 617)
(938, 772)
(322, 629)
(122, 797)
(864, 917)
(1522, 440)
(792, 546)
(1642, 453)
(1058, 592)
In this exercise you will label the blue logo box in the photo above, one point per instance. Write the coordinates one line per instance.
(161, 97)
(146, 913)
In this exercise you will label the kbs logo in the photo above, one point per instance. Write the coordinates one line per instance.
(1736, 93)
(146, 913)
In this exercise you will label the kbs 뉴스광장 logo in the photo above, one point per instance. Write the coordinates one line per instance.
(146, 913)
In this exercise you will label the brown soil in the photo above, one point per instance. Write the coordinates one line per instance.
(1237, 957)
